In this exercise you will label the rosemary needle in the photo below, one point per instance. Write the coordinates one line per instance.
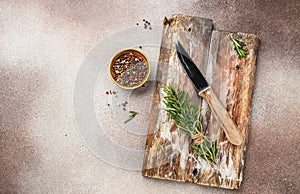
(238, 46)
(131, 116)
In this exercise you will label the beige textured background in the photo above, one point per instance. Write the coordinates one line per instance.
(42, 45)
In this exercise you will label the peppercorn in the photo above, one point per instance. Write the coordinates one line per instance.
(130, 70)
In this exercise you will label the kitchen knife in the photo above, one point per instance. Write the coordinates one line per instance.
(233, 134)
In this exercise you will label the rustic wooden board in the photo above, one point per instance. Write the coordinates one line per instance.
(168, 154)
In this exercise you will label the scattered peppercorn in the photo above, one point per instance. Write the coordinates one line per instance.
(137, 24)
(124, 103)
(147, 24)
(111, 92)
(140, 47)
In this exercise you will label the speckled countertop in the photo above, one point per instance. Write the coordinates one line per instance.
(43, 45)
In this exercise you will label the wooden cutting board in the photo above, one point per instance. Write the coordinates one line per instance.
(168, 153)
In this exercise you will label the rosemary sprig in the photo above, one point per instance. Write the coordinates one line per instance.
(207, 150)
(131, 116)
(238, 46)
(187, 117)
(183, 112)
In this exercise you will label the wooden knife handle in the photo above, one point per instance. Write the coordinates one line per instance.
(233, 134)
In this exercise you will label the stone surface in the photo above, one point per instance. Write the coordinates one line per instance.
(43, 44)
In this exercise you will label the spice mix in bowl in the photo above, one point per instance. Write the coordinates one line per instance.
(129, 69)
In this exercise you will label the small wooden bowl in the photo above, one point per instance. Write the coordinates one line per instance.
(127, 51)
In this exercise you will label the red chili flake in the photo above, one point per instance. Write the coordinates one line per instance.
(106, 92)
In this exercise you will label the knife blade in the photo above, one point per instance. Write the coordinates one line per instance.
(204, 90)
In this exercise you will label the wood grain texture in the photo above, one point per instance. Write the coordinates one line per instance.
(168, 154)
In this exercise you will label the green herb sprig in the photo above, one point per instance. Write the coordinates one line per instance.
(131, 116)
(183, 112)
(207, 150)
(187, 117)
(238, 46)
